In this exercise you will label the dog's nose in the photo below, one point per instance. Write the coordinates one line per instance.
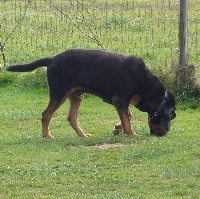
(157, 133)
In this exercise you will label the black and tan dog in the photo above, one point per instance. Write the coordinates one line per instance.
(117, 79)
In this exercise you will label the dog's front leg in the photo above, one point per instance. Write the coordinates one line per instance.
(119, 128)
(125, 116)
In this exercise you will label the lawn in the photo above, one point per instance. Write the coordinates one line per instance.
(73, 167)
(101, 166)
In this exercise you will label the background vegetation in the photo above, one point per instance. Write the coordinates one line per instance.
(148, 29)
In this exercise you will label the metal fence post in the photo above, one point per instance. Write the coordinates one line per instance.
(183, 55)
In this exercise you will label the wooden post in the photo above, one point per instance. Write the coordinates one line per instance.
(183, 55)
(3, 55)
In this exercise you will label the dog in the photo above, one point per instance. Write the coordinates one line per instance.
(119, 80)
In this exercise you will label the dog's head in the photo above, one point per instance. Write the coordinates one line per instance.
(159, 122)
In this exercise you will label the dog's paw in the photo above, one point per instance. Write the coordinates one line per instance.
(48, 136)
(117, 130)
(133, 134)
(88, 135)
(84, 135)
(136, 135)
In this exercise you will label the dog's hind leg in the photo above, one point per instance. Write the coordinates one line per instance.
(47, 114)
(75, 102)
(124, 114)
(119, 128)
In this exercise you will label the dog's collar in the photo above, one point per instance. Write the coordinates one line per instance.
(165, 98)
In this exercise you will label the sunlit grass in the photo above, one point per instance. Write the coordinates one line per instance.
(73, 167)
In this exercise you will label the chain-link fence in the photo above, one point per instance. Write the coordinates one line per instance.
(31, 29)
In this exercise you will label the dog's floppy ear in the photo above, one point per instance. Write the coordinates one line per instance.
(136, 64)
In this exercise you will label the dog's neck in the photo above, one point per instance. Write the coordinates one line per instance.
(149, 105)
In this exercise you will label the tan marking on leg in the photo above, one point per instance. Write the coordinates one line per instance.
(47, 115)
(75, 102)
(125, 121)
(124, 114)
(119, 128)
(135, 100)
(129, 114)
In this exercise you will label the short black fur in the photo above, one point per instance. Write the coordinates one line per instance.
(115, 78)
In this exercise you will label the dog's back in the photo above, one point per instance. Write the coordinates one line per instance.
(94, 71)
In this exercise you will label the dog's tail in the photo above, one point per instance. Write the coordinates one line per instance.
(32, 66)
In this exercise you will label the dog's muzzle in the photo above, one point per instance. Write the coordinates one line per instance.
(157, 130)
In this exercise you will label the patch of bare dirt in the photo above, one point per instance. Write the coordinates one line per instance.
(107, 145)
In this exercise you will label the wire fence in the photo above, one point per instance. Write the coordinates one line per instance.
(31, 29)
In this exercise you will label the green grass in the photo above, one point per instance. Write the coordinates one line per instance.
(73, 167)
